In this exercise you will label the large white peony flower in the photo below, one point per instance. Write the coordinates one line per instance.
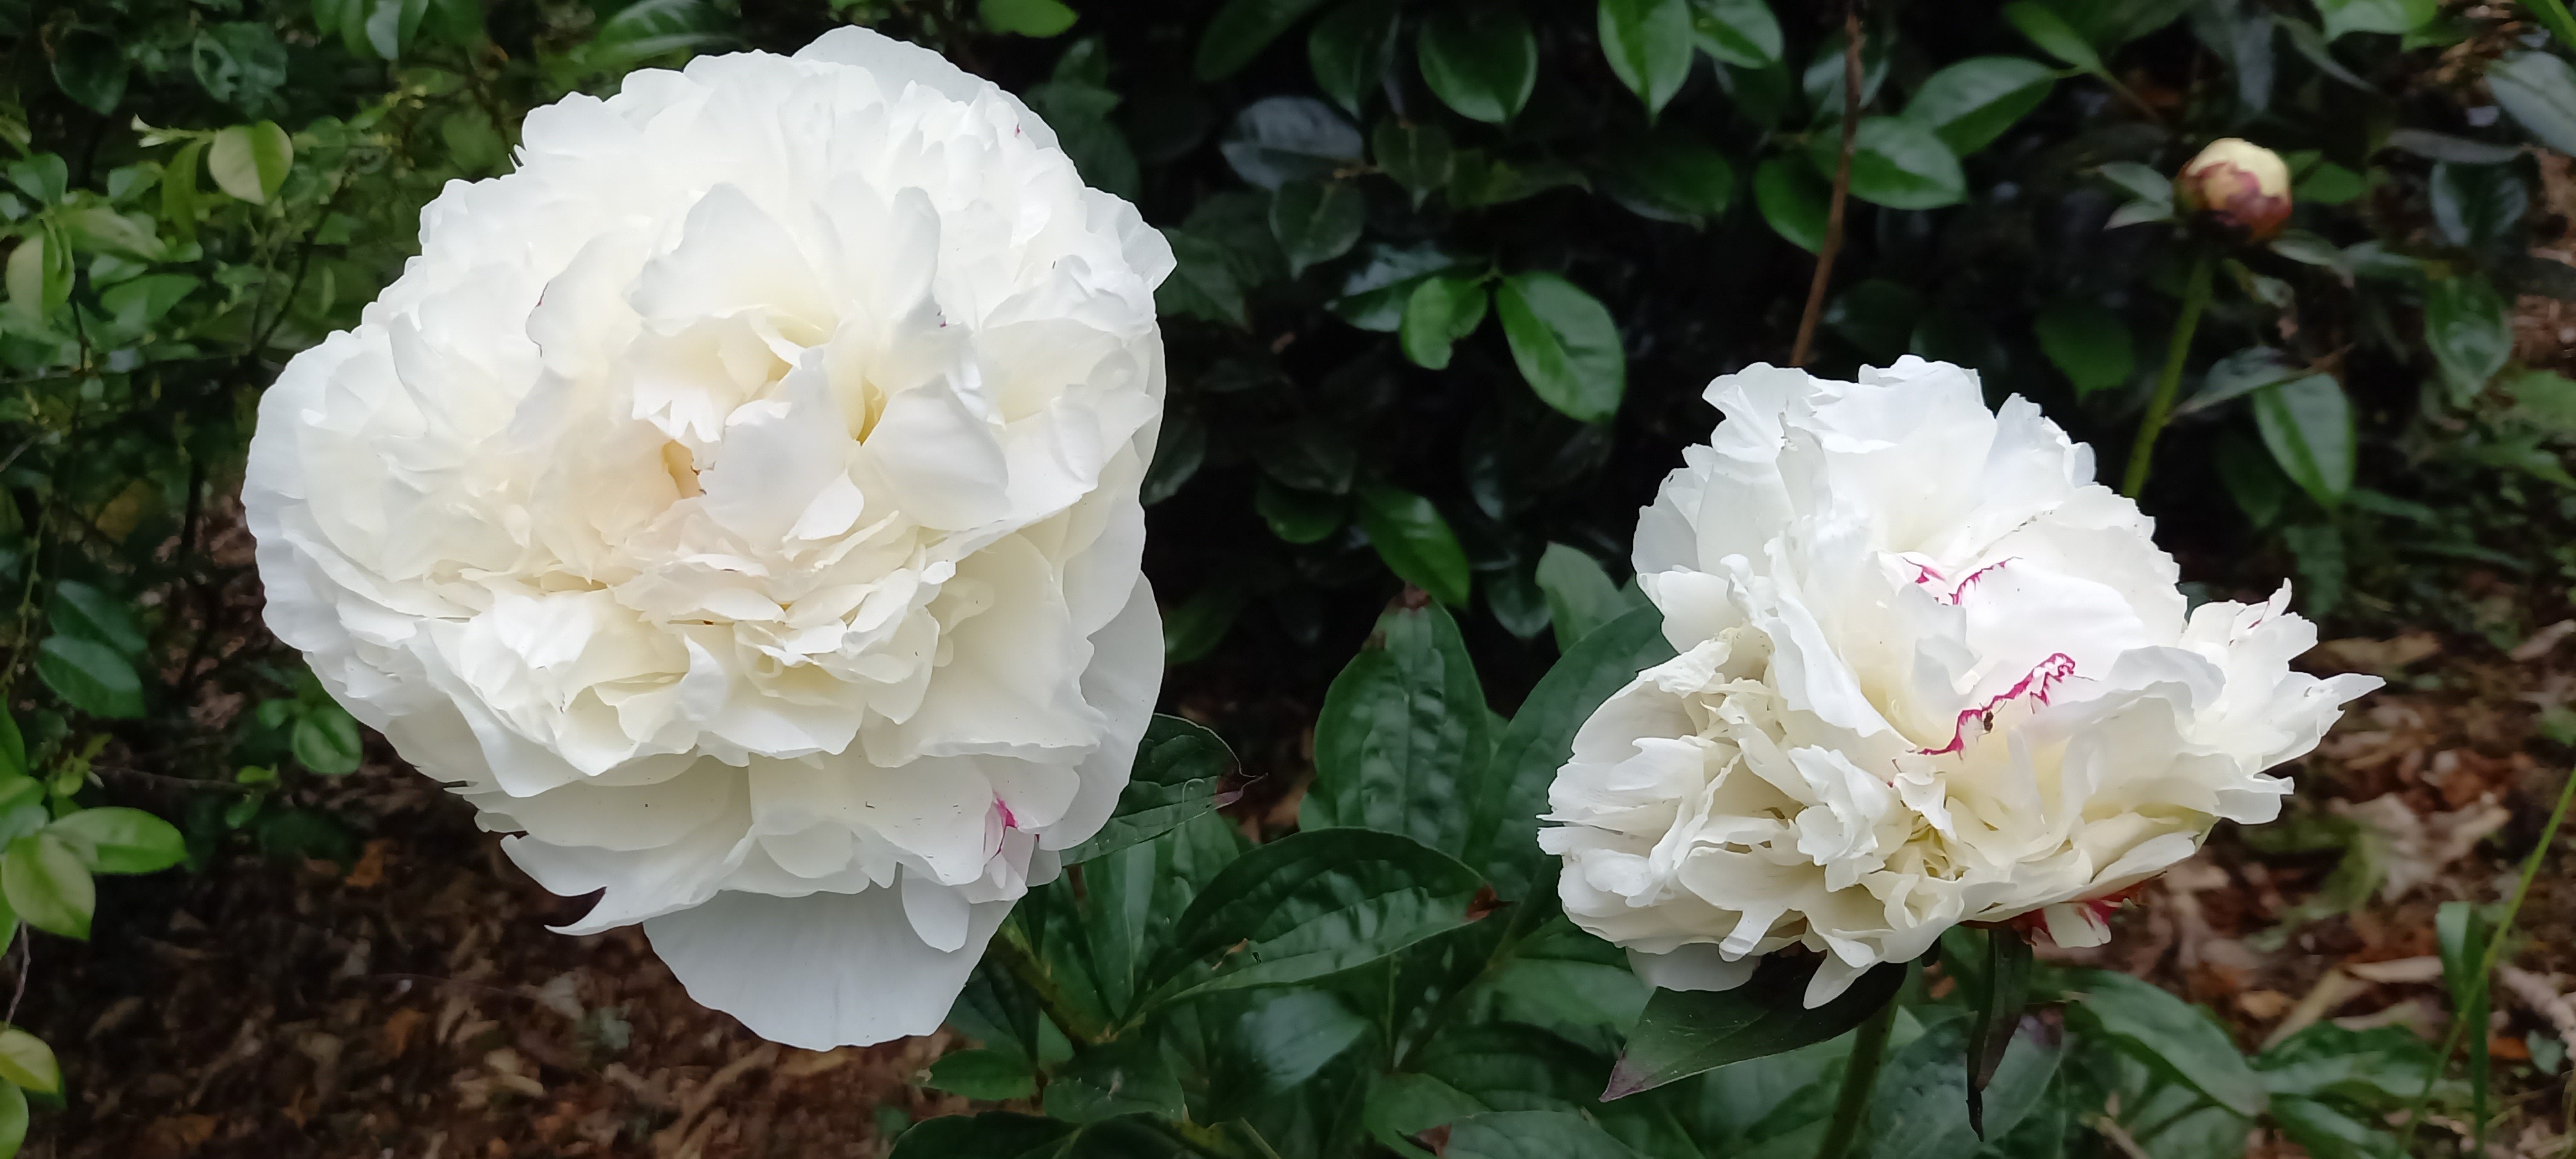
(1929, 673)
(740, 500)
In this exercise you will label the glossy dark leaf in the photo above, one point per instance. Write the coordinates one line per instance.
(988, 1075)
(1970, 103)
(1316, 221)
(90, 68)
(1999, 1003)
(1179, 769)
(1298, 516)
(1648, 43)
(2538, 90)
(2053, 34)
(2468, 328)
(1402, 735)
(1566, 344)
(1794, 201)
(1241, 29)
(90, 676)
(1683, 1033)
(1673, 178)
(2090, 344)
(1503, 842)
(1417, 156)
(2327, 1133)
(1003, 1135)
(1531, 1135)
(2307, 425)
(1416, 543)
(1921, 1108)
(1351, 48)
(1129, 1076)
(1282, 139)
(2171, 1036)
(1482, 60)
(1742, 33)
(1897, 163)
(1315, 904)
(77, 609)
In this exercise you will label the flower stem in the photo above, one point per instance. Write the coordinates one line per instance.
(2195, 296)
(1010, 947)
(2486, 966)
(1833, 243)
(1869, 1051)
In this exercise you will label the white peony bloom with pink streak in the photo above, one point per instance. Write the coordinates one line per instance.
(738, 501)
(1929, 673)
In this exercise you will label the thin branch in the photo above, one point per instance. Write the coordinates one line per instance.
(1806, 342)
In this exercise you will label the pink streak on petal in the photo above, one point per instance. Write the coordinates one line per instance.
(2035, 685)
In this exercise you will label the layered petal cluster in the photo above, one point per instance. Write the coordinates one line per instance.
(739, 502)
(1929, 673)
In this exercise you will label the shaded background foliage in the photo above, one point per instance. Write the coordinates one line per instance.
(1452, 276)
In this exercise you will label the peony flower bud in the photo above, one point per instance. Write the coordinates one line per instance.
(2239, 187)
(1929, 673)
(738, 503)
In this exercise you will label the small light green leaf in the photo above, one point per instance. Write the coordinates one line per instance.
(1742, 33)
(1415, 542)
(26, 1061)
(115, 839)
(1443, 309)
(44, 881)
(250, 161)
(1242, 29)
(1897, 163)
(1970, 103)
(179, 190)
(1648, 43)
(2090, 344)
(1482, 62)
(26, 275)
(1351, 49)
(1039, 18)
(1316, 221)
(13, 1120)
(1565, 343)
(91, 676)
(2053, 34)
